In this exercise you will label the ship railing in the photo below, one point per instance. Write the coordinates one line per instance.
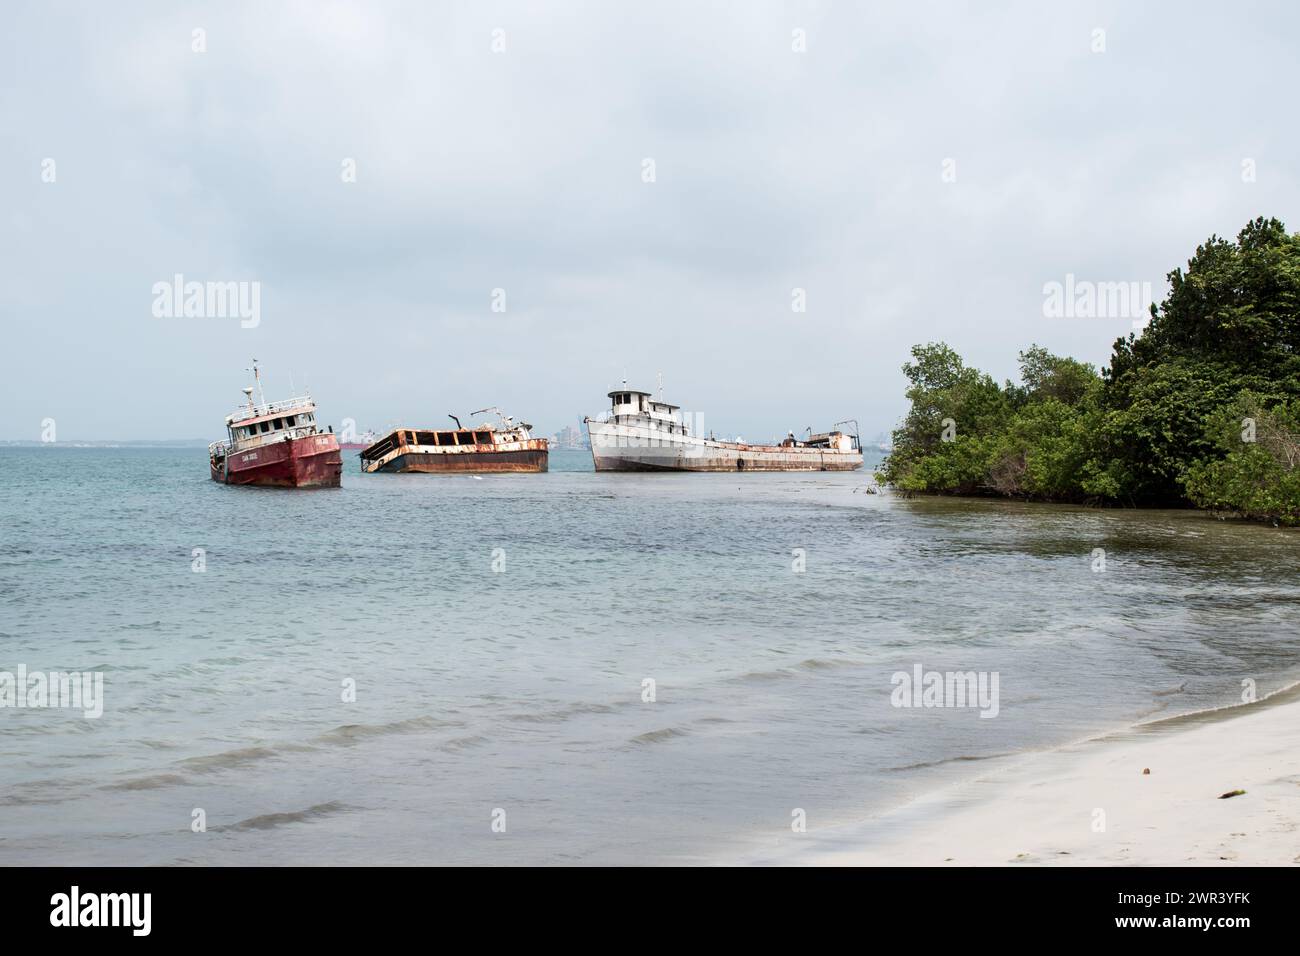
(243, 412)
(226, 447)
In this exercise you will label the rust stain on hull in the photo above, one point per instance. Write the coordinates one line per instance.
(642, 433)
(740, 464)
(309, 462)
(633, 446)
(484, 462)
(481, 450)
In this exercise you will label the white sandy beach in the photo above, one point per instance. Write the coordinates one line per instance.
(1047, 808)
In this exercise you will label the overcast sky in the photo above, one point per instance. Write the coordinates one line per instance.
(524, 170)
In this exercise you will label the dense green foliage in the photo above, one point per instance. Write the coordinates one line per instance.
(1259, 478)
(1169, 422)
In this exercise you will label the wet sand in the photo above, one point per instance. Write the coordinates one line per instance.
(1091, 803)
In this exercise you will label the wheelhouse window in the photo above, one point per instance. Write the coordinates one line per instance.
(446, 438)
(483, 438)
(464, 438)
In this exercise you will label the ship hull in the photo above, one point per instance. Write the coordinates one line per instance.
(421, 451)
(633, 447)
(526, 461)
(312, 461)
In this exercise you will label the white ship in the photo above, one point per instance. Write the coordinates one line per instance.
(642, 434)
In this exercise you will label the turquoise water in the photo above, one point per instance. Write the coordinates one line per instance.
(520, 690)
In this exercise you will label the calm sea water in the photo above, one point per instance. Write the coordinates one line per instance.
(521, 690)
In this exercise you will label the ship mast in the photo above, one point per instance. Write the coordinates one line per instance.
(257, 378)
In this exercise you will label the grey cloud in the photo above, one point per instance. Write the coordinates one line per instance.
(522, 170)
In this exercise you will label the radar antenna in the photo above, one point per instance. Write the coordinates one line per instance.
(257, 379)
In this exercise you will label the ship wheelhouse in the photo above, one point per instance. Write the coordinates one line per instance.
(629, 406)
(271, 422)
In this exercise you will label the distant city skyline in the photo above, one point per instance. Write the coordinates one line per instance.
(571, 437)
(418, 210)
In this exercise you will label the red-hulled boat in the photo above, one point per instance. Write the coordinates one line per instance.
(277, 444)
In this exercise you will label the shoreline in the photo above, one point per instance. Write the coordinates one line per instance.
(1090, 804)
(1272, 522)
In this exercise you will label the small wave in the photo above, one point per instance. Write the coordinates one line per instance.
(351, 733)
(30, 727)
(457, 744)
(562, 713)
(961, 758)
(1169, 693)
(826, 664)
(239, 758)
(872, 730)
(763, 676)
(658, 736)
(268, 821)
(154, 782)
(784, 673)
(1282, 695)
(37, 793)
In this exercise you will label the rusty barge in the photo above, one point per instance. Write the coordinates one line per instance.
(499, 447)
(641, 434)
(276, 444)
